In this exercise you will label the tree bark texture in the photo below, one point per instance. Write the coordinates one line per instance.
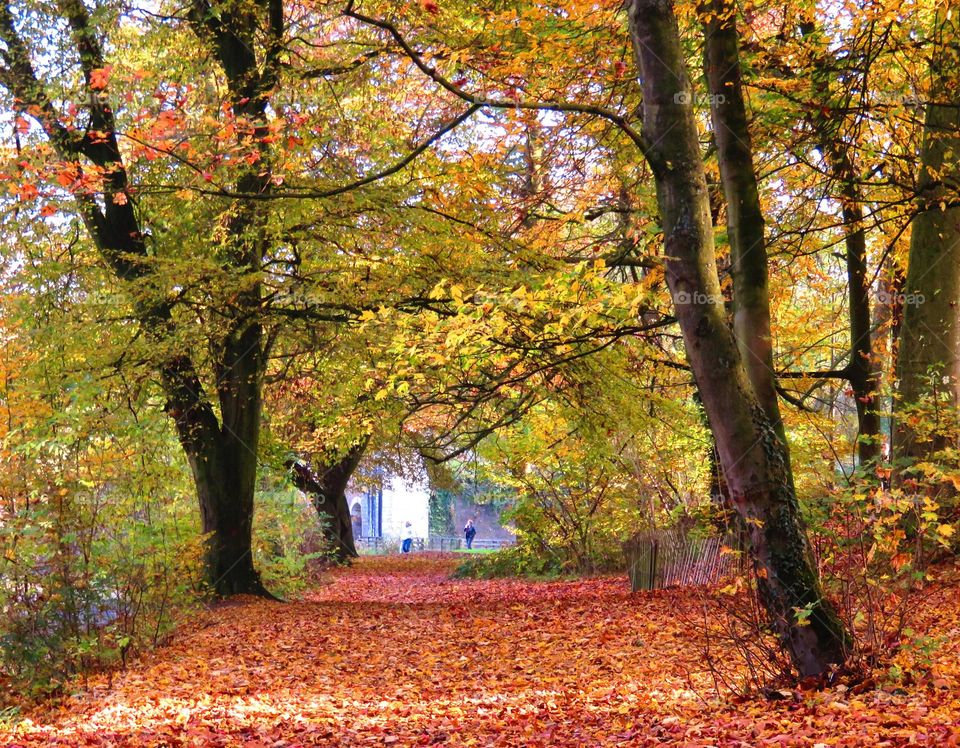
(327, 489)
(753, 454)
(745, 224)
(930, 335)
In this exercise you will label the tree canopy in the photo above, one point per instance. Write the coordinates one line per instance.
(642, 265)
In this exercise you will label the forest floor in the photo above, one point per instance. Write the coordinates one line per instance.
(393, 652)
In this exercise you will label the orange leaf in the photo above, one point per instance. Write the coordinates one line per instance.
(99, 77)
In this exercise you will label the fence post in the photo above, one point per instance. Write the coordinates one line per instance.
(654, 547)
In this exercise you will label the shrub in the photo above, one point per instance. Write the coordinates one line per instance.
(86, 576)
(289, 545)
(514, 561)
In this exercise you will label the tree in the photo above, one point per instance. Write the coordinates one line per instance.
(327, 491)
(753, 453)
(179, 189)
(754, 456)
(861, 370)
(930, 336)
(221, 449)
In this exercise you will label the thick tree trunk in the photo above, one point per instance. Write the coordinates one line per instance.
(226, 508)
(327, 491)
(930, 336)
(223, 458)
(240, 386)
(754, 456)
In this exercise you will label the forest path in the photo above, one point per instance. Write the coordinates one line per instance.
(393, 652)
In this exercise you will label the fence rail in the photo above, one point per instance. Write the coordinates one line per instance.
(672, 558)
(432, 543)
(454, 543)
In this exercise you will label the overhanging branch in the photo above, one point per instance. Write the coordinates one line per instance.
(494, 103)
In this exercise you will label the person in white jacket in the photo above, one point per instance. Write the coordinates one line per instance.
(407, 538)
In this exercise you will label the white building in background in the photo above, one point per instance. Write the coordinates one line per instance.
(384, 512)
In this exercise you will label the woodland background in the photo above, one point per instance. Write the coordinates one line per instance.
(616, 268)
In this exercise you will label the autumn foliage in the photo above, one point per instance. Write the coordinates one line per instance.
(616, 267)
(394, 652)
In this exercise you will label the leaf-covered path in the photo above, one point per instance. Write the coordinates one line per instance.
(392, 652)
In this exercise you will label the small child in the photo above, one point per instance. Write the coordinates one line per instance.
(407, 538)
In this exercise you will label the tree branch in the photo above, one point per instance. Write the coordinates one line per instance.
(349, 67)
(333, 191)
(480, 101)
(843, 373)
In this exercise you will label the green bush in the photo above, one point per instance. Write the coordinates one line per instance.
(289, 545)
(101, 550)
(88, 575)
(514, 561)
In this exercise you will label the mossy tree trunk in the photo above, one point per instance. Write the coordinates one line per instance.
(745, 223)
(930, 335)
(754, 456)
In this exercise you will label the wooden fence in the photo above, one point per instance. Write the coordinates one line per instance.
(673, 558)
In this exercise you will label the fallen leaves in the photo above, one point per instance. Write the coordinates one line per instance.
(393, 652)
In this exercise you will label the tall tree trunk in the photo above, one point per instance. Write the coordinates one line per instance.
(930, 336)
(223, 455)
(327, 489)
(753, 454)
(239, 358)
(745, 224)
(895, 284)
(862, 371)
(240, 386)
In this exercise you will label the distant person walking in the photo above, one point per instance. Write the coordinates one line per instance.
(469, 532)
(407, 538)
